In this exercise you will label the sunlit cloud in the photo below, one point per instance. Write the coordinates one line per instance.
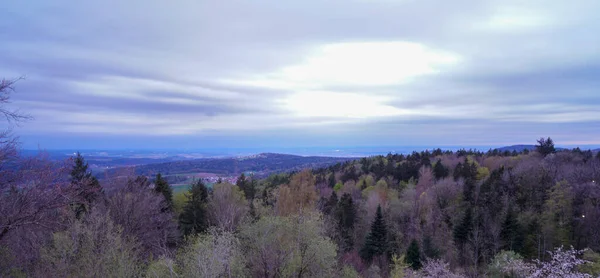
(359, 63)
(339, 105)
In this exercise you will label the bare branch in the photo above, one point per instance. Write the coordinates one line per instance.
(12, 116)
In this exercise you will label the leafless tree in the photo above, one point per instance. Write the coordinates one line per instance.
(34, 203)
(228, 207)
(141, 213)
(6, 88)
(8, 142)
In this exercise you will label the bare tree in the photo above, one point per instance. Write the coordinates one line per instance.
(228, 206)
(141, 213)
(6, 88)
(8, 143)
(34, 203)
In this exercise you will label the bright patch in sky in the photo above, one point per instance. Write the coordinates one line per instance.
(359, 63)
(339, 105)
(515, 20)
(368, 63)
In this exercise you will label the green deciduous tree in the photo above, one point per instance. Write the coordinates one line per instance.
(215, 254)
(91, 246)
(291, 246)
(557, 215)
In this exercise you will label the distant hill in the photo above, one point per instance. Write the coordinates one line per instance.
(260, 164)
(518, 148)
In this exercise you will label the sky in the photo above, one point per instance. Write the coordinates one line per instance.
(203, 74)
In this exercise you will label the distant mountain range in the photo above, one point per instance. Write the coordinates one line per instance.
(260, 165)
(518, 148)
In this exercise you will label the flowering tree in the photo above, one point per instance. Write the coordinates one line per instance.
(438, 268)
(563, 263)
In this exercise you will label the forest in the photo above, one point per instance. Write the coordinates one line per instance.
(427, 214)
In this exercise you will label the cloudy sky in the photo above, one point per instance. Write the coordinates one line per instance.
(221, 73)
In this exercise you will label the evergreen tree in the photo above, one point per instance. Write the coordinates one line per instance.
(346, 217)
(332, 179)
(330, 204)
(247, 186)
(413, 255)
(429, 249)
(440, 171)
(468, 188)
(88, 186)
(193, 218)
(511, 233)
(376, 241)
(545, 146)
(462, 231)
(457, 171)
(162, 186)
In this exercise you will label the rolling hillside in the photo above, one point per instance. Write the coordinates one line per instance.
(260, 164)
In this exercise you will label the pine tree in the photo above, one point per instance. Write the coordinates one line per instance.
(162, 186)
(413, 255)
(439, 170)
(511, 233)
(462, 231)
(332, 180)
(330, 204)
(88, 186)
(376, 241)
(429, 249)
(193, 218)
(545, 146)
(346, 217)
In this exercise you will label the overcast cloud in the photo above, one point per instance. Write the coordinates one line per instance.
(169, 74)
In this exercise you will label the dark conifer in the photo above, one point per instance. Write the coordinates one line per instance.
(413, 255)
(545, 146)
(511, 232)
(345, 215)
(429, 250)
(162, 186)
(87, 185)
(439, 170)
(330, 204)
(247, 186)
(193, 218)
(376, 241)
(462, 231)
